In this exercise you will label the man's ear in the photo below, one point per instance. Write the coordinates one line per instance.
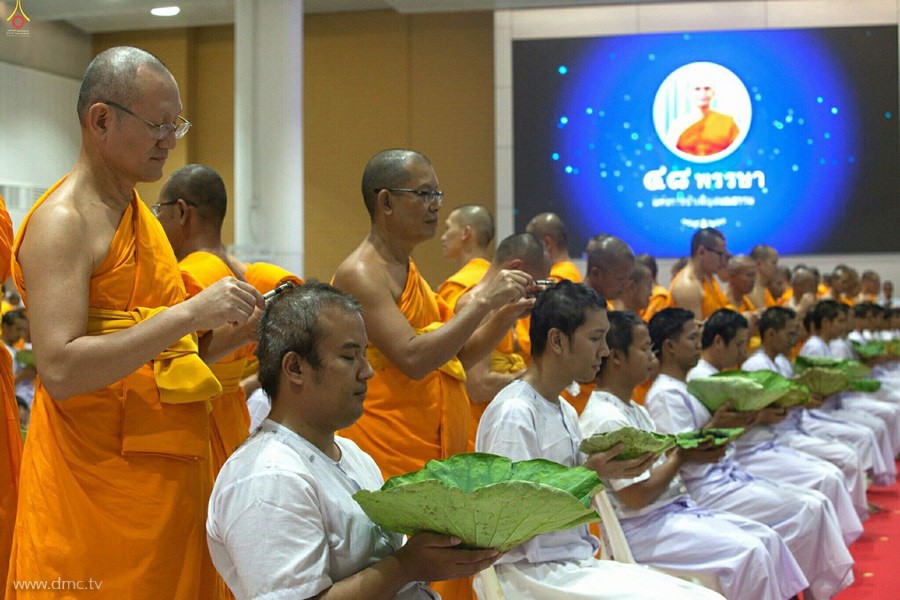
(555, 339)
(383, 200)
(616, 356)
(292, 367)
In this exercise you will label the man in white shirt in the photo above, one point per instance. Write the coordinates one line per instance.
(805, 519)
(779, 330)
(759, 450)
(282, 522)
(665, 528)
(528, 419)
(826, 322)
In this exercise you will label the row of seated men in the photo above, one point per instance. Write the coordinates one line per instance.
(139, 403)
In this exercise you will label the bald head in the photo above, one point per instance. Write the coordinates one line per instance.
(548, 226)
(706, 238)
(648, 261)
(761, 251)
(609, 263)
(804, 281)
(388, 169)
(636, 295)
(113, 76)
(741, 274)
(526, 248)
(199, 186)
(479, 219)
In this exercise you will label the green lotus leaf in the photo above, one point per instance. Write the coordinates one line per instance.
(743, 389)
(485, 500)
(823, 381)
(637, 442)
(692, 439)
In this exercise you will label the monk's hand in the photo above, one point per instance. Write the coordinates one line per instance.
(508, 286)
(727, 418)
(605, 465)
(433, 557)
(227, 301)
(706, 453)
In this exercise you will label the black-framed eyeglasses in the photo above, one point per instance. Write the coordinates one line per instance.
(155, 208)
(723, 254)
(427, 196)
(163, 130)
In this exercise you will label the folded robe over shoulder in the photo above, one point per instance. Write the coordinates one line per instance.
(713, 296)
(407, 422)
(462, 281)
(229, 420)
(10, 436)
(114, 483)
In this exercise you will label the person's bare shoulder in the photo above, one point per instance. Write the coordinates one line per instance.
(364, 275)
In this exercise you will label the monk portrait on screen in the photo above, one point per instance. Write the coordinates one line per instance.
(711, 132)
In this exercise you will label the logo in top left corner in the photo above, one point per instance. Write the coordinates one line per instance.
(18, 21)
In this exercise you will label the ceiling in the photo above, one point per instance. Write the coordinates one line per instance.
(93, 16)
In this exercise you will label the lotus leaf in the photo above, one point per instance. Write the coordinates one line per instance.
(823, 381)
(865, 385)
(637, 442)
(793, 394)
(745, 393)
(692, 439)
(851, 368)
(871, 349)
(485, 500)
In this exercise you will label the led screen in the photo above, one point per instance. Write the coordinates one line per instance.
(783, 137)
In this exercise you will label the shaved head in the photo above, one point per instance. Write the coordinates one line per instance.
(761, 251)
(804, 281)
(548, 225)
(649, 262)
(527, 248)
(705, 238)
(388, 169)
(199, 186)
(609, 264)
(479, 219)
(113, 77)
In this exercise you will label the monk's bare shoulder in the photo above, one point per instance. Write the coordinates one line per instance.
(57, 229)
(364, 275)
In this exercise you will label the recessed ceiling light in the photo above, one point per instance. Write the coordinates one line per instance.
(165, 11)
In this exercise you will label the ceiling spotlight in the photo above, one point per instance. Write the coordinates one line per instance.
(165, 11)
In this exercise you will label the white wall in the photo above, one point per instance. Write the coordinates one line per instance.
(658, 18)
(41, 137)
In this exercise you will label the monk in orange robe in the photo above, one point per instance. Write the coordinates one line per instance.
(115, 478)
(694, 287)
(462, 281)
(711, 132)
(10, 433)
(416, 409)
(468, 232)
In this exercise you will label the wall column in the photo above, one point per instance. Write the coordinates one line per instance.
(268, 132)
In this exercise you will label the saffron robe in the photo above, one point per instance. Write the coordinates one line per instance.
(660, 298)
(713, 296)
(10, 433)
(566, 270)
(407, 422)
(462, 281)
(229, 420)
(115, 482)
(713, 133)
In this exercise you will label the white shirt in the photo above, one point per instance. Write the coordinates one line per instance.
(521, 424)
(606, 412)
(282, 523)
(815, 346)
(702, 369)
(841, 348)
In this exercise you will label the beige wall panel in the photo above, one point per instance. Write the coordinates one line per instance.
(452, 114)
(356, 102)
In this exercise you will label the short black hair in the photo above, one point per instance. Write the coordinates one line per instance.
(562, 306)
(621, 332)
(291, 323)
(667, 324)
(724, 323)
(824, 310)
(775, 318)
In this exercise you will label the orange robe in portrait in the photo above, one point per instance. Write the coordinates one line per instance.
(660, 298)
(460, 282)
(115, 482)
(710, 135)
(10, 432)
(786, 297)
(566, 269)
(407, 422)
(229, 421)
(713, 296)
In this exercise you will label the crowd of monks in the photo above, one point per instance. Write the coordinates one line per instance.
(143, 329)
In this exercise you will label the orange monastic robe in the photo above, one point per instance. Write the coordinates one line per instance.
(713, 296)
(710, 135)
(229, 420)
(660, 298)
(115, 482)
(462, 281)
(566, 270)
(10, 433)
(266, 277)
(407, 422)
